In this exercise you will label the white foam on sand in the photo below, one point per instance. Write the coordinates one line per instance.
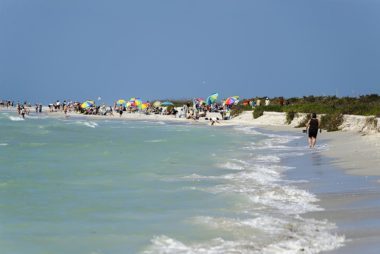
(298, 235)
(303, 236)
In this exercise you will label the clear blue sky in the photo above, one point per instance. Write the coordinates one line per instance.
(77, 49)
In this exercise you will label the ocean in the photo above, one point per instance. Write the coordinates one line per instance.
(83, 186)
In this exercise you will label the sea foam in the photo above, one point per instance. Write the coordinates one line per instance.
(16, 118)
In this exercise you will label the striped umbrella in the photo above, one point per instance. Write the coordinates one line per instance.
(230, 101)
(212, 98)
(135, 102)
(87, 104)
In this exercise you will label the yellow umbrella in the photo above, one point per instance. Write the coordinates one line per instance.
(87, 104)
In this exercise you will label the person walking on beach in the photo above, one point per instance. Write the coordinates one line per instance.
(23, 112)
(312, 127)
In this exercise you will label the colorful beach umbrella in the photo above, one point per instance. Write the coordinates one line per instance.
(121, 102)
(199, 101)
(167, 103)
(230, 101)
(144, 106)
(87, 104)
(212, 98)
(135, 102)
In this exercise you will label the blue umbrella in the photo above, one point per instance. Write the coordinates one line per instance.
(167, 103)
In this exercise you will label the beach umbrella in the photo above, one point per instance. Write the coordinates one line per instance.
(135, 102)
(198, 101)
(212, 98)
(121, 102)
(144, 106)
(87, 104)
(156, 104)
(167, 103)
(230, 101)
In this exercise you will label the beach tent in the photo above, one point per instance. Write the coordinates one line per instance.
(87, 104)
(212, 98)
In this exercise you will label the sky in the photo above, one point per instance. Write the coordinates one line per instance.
(83, 49)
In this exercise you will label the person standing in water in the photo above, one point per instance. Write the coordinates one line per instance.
(23, 112)
(312, 126)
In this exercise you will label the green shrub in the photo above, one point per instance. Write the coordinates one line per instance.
(371, 121)
(257, 112)
(236, 110)
(290, 116)
(331, 122)
(273, 108)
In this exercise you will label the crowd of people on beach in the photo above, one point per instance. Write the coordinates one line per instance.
(196, 110)
(199, 109)
(22, 108)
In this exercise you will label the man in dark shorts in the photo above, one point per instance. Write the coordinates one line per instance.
(312, 126)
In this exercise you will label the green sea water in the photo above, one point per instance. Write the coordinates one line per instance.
(81, 186)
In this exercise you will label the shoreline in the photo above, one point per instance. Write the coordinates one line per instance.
(356, 153)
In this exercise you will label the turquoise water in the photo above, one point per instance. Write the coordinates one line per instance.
(81, 186)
